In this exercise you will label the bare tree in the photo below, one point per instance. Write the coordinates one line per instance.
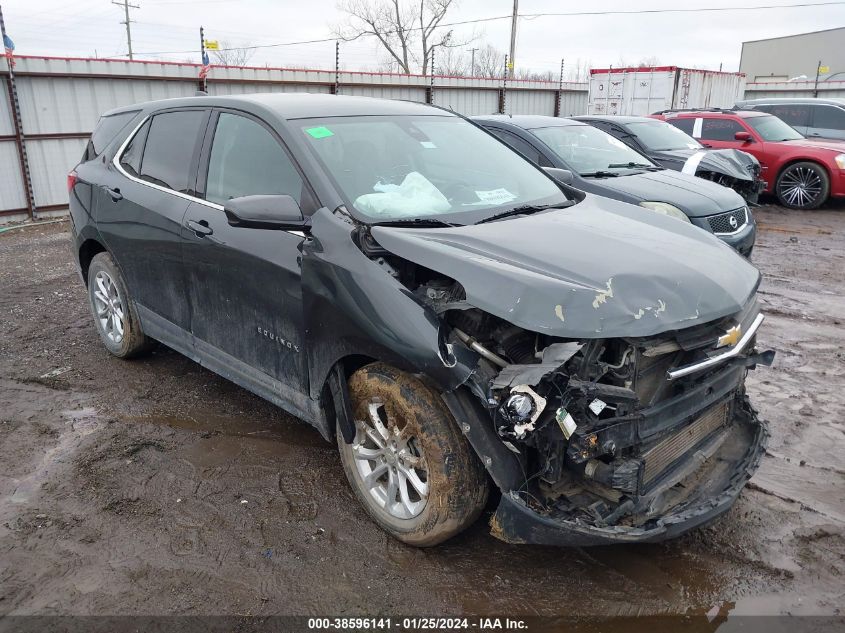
(409, 30)
(489, 62)
(229, 55)
(454, 63)
(647, 62)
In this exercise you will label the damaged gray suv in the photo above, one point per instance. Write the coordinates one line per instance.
(436, 305)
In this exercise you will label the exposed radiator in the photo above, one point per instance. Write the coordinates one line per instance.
(661, 456)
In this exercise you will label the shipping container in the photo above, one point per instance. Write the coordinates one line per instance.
(640, 91)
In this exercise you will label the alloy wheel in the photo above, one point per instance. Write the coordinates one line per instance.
(390, 464)
(800, 186)
(108, 307)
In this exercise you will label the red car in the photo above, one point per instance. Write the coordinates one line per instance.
(803, 173)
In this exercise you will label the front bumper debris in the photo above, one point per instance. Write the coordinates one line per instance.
(717, 488)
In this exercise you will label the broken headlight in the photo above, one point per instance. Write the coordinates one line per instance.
(664, 208)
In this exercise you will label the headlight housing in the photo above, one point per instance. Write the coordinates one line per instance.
(664, 208)
(840, 161)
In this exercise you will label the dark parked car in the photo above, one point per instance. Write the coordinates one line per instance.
(435, 304)
(674, 149)
(604, 165)
(813, 118)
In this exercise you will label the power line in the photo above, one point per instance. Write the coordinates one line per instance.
(126, 7)
(531, 16)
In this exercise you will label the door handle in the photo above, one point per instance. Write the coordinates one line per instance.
(200, 229)
(114, 194)
(708, 145)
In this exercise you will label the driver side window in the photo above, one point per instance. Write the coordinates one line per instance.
(246, 159)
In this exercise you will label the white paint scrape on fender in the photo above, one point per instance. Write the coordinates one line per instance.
(691, 166)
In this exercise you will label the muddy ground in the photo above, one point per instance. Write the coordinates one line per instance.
(155, 487)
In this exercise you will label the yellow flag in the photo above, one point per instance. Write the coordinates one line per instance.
(212, 45)
(823, 70)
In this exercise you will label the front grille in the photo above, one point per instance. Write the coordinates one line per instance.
(730, 222)
(660, 457)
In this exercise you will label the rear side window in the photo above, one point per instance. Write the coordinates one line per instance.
(720, 129)
(169, 150)
(131, 158)
(518, 144)
(828, 117)
(685, 125)
(246, 160)
(108, 127)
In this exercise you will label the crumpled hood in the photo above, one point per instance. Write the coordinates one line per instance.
(731, 162)
(601, 268)
(694, 196)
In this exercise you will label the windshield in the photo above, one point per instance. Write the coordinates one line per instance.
(588, 150)
(407, 167)
(659, 136)
(772, 128)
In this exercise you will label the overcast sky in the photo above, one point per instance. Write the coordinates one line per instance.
(704, 40)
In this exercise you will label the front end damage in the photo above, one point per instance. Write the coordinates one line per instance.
(598, 439)
(730, 168)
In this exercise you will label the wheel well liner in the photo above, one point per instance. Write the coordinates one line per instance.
(87, 251)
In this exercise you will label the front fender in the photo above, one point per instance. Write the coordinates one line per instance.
(353, 306)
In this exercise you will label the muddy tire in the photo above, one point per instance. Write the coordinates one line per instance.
(113, 309)
(803, 186)
(409, 465)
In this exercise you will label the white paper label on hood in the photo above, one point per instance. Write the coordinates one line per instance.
(495, 196)
(691, 166)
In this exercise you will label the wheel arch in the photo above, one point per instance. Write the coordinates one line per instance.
(87, 251)
(794, 160)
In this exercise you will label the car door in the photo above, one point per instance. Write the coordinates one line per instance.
(144, 195)
(718, 133)
(828, 121)
(244, 283)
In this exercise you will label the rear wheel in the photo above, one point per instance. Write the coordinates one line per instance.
(409, 466)
(113, 310)
(803, 186)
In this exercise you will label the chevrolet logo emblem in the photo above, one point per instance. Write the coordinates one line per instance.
(731, 337)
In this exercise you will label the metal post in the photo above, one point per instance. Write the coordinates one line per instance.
(336, 67)
(204, 77)
(431, 89)
(126, 6)
(472, 64)
(26, 177)
(816, 84)
(559, 91)
(503, 93)
(512, 54)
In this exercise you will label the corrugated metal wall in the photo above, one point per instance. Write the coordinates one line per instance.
(765, 90)
(61, 100)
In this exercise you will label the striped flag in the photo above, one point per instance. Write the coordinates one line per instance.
(9, 45)
(206, 65)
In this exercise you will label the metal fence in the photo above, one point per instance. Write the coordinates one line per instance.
(766, 90)
(62, 98)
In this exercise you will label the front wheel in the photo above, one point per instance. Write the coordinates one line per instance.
(803, 186)
(408, 464)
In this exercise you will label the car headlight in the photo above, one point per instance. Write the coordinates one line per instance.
(665, 208)
(840, 161)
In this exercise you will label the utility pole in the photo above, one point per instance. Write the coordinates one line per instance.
(816, 84)
(472, 65)
(512, 54)
(26, 177)
(126, 6)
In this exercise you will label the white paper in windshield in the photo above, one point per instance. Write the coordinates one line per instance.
(495, 196)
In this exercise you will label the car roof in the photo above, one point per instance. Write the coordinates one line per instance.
(716, 114)
(528, 121)
(788, 100)
(298, 105)
(614, 118)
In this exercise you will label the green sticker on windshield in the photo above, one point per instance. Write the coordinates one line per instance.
(319, 132)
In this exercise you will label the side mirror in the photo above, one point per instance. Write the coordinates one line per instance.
(561, 175)
(266, 212)
(745, 137)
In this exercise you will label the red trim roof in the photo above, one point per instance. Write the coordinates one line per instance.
(657, 69)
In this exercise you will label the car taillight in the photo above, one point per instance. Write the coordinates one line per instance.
(71, 181)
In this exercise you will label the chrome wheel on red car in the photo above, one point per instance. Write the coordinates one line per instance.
(803, 186)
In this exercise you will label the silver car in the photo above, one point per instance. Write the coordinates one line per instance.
(814, 118)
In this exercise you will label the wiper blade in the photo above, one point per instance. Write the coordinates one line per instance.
(600, 174)
(420, 222)
(526, 209)
(628, 165)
